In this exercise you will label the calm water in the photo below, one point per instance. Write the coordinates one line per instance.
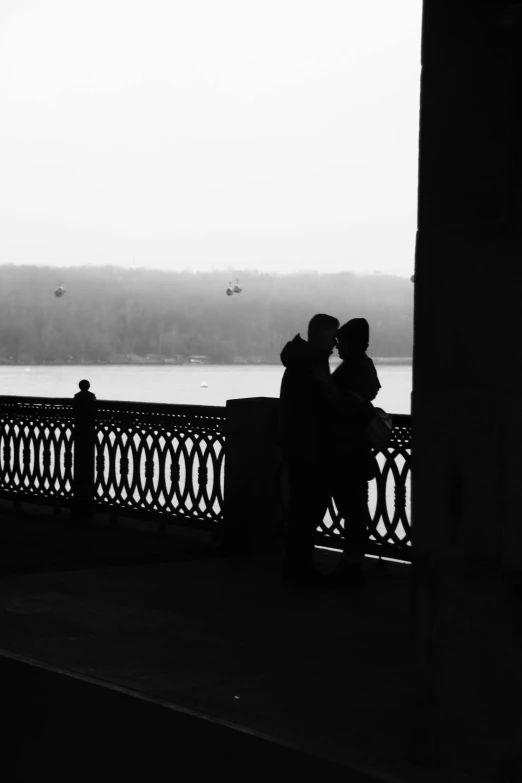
(181, 385)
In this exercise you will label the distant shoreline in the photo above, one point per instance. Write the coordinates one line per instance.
(393, 360)
(397, 360)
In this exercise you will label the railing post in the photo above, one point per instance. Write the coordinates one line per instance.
(250, 513)
(84, 452)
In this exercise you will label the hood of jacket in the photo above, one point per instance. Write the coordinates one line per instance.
(299, 354)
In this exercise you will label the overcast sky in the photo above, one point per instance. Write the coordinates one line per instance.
(207, 134)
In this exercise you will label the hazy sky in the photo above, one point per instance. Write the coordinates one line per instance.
(205, 134)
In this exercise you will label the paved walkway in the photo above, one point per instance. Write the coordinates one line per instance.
(329, 671)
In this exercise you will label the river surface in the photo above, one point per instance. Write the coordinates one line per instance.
(181, 384)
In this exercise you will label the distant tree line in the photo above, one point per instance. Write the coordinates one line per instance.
(114, 314)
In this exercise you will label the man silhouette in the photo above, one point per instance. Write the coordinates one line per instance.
(306, 442)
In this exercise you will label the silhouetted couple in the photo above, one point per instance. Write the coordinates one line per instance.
(323, 418)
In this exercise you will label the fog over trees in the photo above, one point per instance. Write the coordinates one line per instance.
(112, 314)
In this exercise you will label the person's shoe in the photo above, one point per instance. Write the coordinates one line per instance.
(347, 575)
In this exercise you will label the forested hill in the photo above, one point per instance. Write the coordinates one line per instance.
(115, 314)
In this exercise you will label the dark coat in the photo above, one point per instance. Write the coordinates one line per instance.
(305, 420)
(357, 377)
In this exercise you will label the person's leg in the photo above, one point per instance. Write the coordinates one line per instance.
(321, 484)
(350, 490)
(308, 500)
(355, 513)
(350, 495)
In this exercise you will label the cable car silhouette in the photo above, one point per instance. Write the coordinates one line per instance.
(237, 288)
(60, 291)
(229, 290)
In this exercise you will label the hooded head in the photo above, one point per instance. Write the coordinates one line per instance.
(353, 337)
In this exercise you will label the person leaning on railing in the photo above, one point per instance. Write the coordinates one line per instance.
(350, 390)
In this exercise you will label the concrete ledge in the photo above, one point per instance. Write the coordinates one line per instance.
(33, 539)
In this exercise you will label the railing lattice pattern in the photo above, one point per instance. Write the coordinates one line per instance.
(161, 459)
(36, 448)
(167, 462)
(388, 499)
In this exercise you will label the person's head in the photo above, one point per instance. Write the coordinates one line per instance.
(322, 332)
(353, 337)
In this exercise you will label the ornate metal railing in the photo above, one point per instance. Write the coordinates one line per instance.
(164, 461)
(37, 449)
(388, 500)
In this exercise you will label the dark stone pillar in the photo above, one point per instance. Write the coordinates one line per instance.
(467, 393)
(252, 499)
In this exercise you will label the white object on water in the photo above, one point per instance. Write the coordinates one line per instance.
(204, 384)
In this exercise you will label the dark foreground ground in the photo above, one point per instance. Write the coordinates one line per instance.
(328, 673)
